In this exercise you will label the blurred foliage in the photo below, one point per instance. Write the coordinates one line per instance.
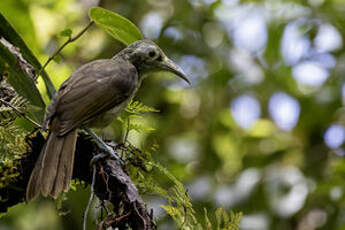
(278, 177)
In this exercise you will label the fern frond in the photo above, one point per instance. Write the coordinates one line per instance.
(140, 128)
(137, 107)
(12, 142)
(179, 205)
(227, 221)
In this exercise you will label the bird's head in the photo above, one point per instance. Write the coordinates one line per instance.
(147, 57)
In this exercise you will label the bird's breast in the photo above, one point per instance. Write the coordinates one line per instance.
(107, 117)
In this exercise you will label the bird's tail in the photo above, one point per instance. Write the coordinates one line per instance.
(52, 173)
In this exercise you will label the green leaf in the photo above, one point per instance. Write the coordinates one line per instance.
(140, 128)
(172, 211)
(137, 107)
(235, 220)
(207, 220)
(117, 26)
(57, 59)
(17, 70)
(66, 33)
(25, 86)
(220, 216)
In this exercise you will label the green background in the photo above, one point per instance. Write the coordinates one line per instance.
(280, 175)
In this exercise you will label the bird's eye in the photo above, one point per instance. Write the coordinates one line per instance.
(152, 53)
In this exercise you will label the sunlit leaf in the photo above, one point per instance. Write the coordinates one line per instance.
(140, 128)
(137, 107)
(170, 210)
(9, 61)
(117, 26)
(17, 70)
(57, 59)
(66, 33)
(207, 220)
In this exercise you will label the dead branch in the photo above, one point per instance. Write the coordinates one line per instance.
(112, 185)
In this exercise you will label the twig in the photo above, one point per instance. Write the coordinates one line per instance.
(101, 172)
(106, 224)
(127, 132)
(104, 207)
(70, 40)
(124, 140)
(141, 217)
(123, 216)
(20, 113)
(91, 197)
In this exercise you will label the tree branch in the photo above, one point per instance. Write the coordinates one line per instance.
(127, 207)
(70, 40)
(20, 113)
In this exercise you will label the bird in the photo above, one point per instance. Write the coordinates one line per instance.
(93, 96)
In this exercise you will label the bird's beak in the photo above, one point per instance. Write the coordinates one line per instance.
(169, 65)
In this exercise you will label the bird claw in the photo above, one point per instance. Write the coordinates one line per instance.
(112, 154)
(108, 153)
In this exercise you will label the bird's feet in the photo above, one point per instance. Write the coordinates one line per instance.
(108, 151)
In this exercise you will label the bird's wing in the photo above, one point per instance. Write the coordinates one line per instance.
(92, 90)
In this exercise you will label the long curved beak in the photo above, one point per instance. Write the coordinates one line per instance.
(170, 66)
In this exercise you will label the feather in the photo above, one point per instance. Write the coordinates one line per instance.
(89, 93)
(53, 170)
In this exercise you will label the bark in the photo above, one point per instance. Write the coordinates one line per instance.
(112, 184)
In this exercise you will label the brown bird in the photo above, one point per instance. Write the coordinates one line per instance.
(94, 95)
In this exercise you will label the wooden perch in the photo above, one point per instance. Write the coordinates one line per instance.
(112, 184)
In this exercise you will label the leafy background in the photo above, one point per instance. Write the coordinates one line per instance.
(261, 130)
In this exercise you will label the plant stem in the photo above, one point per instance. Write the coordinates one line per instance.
(20, 113)
(70, 40)
(91, 197)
